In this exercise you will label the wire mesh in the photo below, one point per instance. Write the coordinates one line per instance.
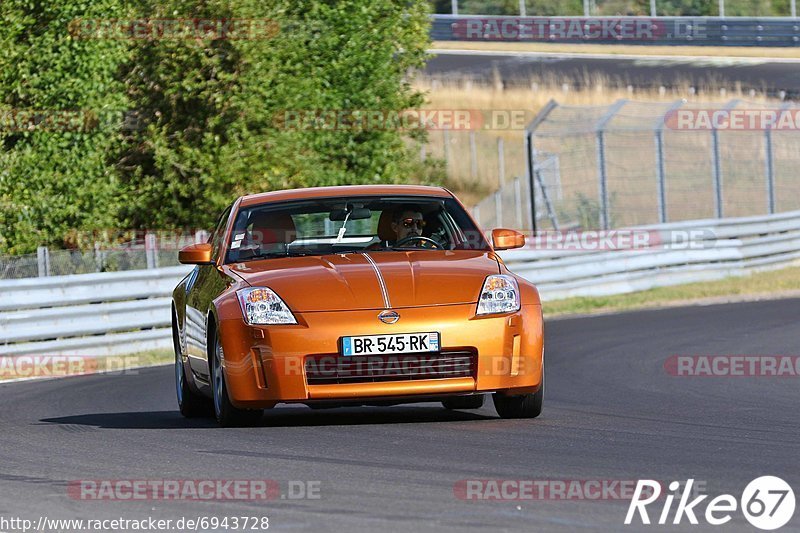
(644, 155)
(131, 255)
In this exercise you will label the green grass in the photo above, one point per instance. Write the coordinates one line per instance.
(151, 358)
(757, 285)
(67, 366)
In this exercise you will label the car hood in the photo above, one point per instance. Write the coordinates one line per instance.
(351, 281)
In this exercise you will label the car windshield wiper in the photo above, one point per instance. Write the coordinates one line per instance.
(269, 255)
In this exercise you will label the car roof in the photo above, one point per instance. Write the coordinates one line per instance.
(344, 190)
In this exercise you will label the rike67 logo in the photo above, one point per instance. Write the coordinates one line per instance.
(767, 503)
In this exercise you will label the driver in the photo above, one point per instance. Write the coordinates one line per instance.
(407, 223)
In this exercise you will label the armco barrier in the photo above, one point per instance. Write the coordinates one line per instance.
(702, 31)
(106, 313)
(722, 248)
(125, 312)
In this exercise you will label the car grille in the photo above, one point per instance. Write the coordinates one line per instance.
(335, 369)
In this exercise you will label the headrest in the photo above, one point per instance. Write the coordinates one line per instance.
(271, 228)
(385, 231)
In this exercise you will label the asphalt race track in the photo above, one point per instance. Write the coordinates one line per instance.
(771, 76)
(612, 412)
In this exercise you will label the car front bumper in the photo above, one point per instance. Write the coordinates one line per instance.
(265, 365)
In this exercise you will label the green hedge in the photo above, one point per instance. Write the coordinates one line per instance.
(174, 129)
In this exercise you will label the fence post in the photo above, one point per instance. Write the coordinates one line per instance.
(498, 208)
(43, 261)
(501, 163)
(793, 7)
(653, 8)
(602, 174)
(661, 175)
(530, 157)
(522, 12)
(150, 250)
(662, 186)
(602, 179)
(454, 7)
(716, 164)
(422, 153)
(586, 10)
(446, 135)
(529, 169)
(473, 155)
(201, 235)
(98, 257)
(770, 169)
(716, 171)
(518, 201)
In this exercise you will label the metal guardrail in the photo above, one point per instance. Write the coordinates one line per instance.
(125, 312)
(697, 31)
(107, 313)
(720, 248)
(611, 7)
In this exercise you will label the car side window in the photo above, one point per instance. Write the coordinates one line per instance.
(219, 232)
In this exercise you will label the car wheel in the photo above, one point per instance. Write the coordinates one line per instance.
(525, 406)
(226, 413)
(464, 402)
(190, 403)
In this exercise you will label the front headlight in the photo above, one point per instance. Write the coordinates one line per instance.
(500, 294)
(261, 306)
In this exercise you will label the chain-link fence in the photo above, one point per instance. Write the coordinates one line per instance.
(634, 163)
(508, 207)
(477, 162)
(149, 251)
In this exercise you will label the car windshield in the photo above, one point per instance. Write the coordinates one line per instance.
(352, 224)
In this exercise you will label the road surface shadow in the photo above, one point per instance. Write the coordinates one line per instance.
(277, 417)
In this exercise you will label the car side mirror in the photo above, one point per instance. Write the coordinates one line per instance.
(195, 254)
(507, 239)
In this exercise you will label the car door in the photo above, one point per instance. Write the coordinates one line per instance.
(206, 284)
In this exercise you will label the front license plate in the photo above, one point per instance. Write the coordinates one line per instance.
(390, 344)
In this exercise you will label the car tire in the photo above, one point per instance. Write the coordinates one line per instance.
(190, 404)
(525, 406)
(474, 401)
(225, 412)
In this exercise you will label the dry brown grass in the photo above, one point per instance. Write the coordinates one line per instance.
(622, 49)
(589, 90)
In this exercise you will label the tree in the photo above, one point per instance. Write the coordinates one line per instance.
(58, 93)
(212, 108)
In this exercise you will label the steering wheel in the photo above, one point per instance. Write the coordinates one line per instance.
(412, 238)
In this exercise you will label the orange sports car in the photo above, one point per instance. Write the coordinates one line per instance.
(356, 295)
